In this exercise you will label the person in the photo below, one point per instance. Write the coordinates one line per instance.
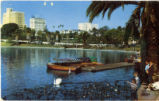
(133, 84)
(146, 71)
(150, 72)
(147, 66)
(137, 80)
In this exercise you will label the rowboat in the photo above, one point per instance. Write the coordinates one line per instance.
(67, 67)
(72, 66)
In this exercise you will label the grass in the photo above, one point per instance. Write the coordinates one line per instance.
(6, 44)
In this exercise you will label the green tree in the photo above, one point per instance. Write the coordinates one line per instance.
(52, 37)
(145, 12)
(40, 35)
(102, 32)
(47, 34)
(57, 36)
(28, 33)
(8, 29)
(17, 34)
(32, 34)
(93, 36)
(131, 30)
(84, 36)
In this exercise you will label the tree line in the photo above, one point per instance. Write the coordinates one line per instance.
(104, 35)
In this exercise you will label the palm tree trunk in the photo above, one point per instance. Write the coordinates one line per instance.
(150, 38)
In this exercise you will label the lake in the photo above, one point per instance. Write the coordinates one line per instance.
(25, 68)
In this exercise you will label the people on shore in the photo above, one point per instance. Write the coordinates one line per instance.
(135, 83)
(137, 80)
(149, 69)
(147, 66)
(146, 71)
(150, 72)
(134, 87)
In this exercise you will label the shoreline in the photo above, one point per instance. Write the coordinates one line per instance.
(68, 48)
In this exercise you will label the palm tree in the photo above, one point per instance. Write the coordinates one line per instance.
(147, 13)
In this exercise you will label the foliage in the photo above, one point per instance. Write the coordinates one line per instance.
(145, 12)
(131, 29)
(17, 34)
(84, 37)
(8, 29)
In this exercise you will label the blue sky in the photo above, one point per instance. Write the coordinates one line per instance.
(68, 13)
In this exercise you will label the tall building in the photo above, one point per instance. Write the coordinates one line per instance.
(38, 24)
(14, 17)
(87, 26)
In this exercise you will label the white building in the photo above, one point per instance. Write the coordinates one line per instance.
(69, 31)
(87, 26)
(38, 24)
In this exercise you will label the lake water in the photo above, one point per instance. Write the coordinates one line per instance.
(26, 67)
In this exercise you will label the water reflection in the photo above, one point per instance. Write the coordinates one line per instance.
(62, 74)
(26, 67)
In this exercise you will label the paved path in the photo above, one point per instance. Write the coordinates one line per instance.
(143, 94)
(107, 66)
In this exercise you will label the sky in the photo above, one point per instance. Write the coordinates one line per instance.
(67, 13)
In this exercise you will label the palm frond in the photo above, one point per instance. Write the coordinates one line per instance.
(105, 9)
(132, 26)
(113, 7)
(94, 9)
(97, 7)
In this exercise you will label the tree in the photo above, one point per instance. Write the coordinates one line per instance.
(114, 36)
(131, 30)
(32, 34)
(84, 36)
(47, 34)
(8, 29)
(57, 36)
(146, 12)
(103, 30)
(40, 35)
(28, 33)
(17, 34)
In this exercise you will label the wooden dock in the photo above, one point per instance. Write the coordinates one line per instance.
(107, 66)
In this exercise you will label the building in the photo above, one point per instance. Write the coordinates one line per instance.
(87, 26)
(38, 24)
(69, 31)
(14, 17)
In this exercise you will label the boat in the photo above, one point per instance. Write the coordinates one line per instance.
(57, 66)
(72, 65)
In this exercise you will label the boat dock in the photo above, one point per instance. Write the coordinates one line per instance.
(107, 66)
